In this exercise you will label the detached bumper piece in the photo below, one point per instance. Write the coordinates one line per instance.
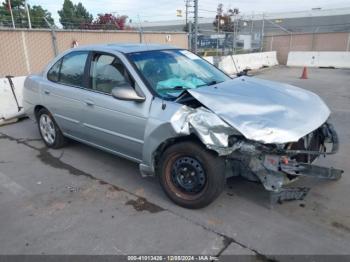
(302, 169)
(288, 194)
(286, 173)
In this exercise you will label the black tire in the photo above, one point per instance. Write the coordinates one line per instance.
(59, 140)
(212, 166)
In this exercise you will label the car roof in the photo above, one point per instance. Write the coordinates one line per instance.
(125, 47)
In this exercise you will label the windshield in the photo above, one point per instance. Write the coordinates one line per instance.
(170, 72)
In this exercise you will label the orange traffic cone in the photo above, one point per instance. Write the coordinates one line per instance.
(304, 74)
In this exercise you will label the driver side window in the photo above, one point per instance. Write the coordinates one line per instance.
(108, 72)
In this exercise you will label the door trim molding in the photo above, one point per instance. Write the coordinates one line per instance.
(114, 133)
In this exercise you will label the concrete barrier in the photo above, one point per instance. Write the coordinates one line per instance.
(226, 63)
(236, 63)
(319, 59)
(9, 110)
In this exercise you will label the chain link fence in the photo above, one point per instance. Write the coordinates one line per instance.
(250, 33)
(246, 37)
(24, 51)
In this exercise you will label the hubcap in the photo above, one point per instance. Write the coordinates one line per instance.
(188, 175)
(47, 129)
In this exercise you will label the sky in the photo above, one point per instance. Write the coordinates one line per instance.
(157, 10)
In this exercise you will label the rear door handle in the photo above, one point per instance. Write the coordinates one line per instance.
(46, 92)
(89, 103)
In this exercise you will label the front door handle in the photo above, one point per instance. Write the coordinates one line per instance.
(89, 103)
(46, 92)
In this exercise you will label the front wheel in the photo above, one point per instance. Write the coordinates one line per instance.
(190, 175)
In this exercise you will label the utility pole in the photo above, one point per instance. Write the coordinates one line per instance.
(28, 15)
(186, 15)
(195, 25)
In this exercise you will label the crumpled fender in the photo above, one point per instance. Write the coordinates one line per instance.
(206, 125)
(170, 120)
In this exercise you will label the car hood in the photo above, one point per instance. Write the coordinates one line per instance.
(264, 111)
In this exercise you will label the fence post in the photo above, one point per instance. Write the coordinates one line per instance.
(271, 42)
(25, 52)
(262, 33)
(140, 29)
(313, 41)
(190, 35)
(141, 35)
(233, 43)
(54, 42)
(53, 36)
(290, 41)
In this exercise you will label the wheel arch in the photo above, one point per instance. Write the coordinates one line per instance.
(37, 108)
(171, 141)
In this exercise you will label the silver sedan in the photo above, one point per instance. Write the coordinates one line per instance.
(182, 119)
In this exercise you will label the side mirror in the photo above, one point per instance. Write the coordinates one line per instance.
(127, 93)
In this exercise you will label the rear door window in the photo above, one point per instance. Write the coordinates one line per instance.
(72, 69)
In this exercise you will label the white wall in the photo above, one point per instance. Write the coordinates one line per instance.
(319, 59)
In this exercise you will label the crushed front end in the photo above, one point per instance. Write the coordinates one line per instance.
(266, 131)
(276, 165)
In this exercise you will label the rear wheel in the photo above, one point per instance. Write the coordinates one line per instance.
(49, 131)
(190, 175)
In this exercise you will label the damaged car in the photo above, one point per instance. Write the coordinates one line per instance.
(182, 119)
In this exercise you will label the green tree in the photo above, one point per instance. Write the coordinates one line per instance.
(66, 14)
(82, 13)
(74, 16)
(37, 14)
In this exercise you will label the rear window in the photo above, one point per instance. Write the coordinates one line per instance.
(53, 73)
(72, 69)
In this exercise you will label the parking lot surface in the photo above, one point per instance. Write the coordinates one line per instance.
(80, 200)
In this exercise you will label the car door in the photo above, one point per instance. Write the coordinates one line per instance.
(62, 92)
(114, 125)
